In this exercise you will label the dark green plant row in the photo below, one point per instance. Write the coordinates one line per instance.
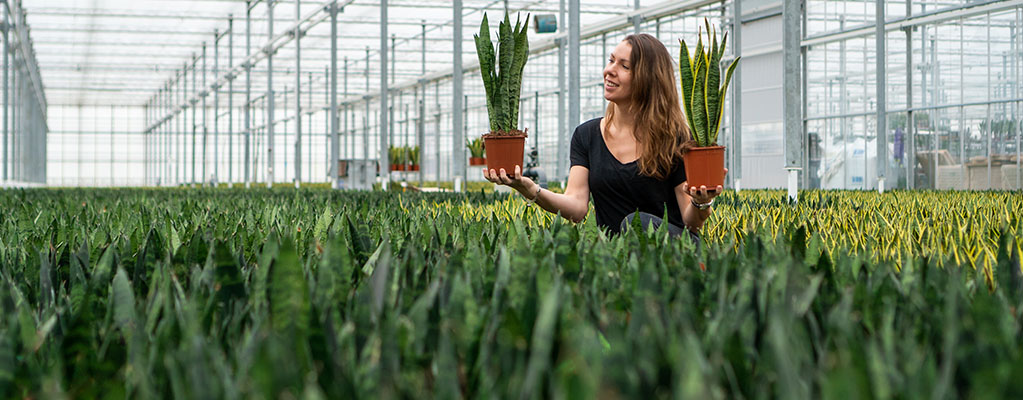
(320, 294)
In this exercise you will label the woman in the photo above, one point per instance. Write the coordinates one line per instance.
(629, 160)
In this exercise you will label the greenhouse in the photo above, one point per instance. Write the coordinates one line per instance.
(294, 198)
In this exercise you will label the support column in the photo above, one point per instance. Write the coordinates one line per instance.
(574, 80)
(309, 148)
(365, 117)
(384, 88)
(735, 172)
(327, 138)
(113, 133)
(195, 126)
(298, 93)
(792, 12)
(564, 132)
(248, 95)
(636, 19)
(882, 116)
(216, 109)
(183, 132)
(421, 105)
(7, 94)
(909, 148)
(346, 131)
(458, 142)
(230, 100)
(205, 120)
(335, 142)
(269, 97)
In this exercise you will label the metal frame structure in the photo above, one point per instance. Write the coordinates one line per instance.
(376, 107)
(938, 116)
(24, 103)
(352, 87)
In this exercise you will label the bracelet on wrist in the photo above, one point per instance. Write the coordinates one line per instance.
(701, 206)
(536, 196)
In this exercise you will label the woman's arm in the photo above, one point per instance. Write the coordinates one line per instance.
(573, 204)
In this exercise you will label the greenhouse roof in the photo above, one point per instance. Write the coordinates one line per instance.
(123, 51)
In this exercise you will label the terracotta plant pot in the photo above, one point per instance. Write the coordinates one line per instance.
(705, 166)
(414, 167)
(504, 152)
(394, 167)
(474, 161)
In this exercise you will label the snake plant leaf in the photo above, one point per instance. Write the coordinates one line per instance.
(124, 303)
(713, 102)
(104, 268)
(521, 53)
(712, 35)
(289, 294)
(724, 43)
(506, 53)
(700, 103)
(485, 54)
(227, 274)
(686, 80)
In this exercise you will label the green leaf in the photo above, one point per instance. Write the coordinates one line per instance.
(227, 275)
(8, 367)
(686, 75)
(506, 54)
(699, 102)
(521, 53)
(124, 304)
(485, 53)
(543, 332)
(710, 90)
(289, 295)
(104, 268)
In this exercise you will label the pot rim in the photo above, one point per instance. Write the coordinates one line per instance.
(706, 148)
(486, 137)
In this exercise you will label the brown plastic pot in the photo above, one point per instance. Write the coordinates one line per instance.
(705, 166)
(504, 152)
(413, 167)
(474, 161)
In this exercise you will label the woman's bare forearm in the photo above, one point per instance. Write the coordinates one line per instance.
(694, 217)
(568, 206)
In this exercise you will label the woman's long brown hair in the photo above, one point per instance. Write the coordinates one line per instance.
(660, 128)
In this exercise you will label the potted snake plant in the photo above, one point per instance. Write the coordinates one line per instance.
(501, 68)
(476, 153)
(413, 157)
(703, 95)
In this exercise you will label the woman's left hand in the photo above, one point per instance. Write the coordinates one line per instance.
(703, 194)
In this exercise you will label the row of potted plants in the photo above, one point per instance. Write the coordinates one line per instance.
(404, 158)
(703, 98)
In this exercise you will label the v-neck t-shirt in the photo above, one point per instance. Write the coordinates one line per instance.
(618, 189)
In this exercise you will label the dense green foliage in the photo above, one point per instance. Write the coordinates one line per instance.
(313, 293)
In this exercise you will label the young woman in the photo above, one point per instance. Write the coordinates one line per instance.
(631, 159)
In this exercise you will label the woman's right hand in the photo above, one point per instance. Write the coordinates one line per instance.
(521, 184)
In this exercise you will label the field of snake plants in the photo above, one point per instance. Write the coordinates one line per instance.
(283, 293)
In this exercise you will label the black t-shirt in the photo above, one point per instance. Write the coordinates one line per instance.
(619, 189)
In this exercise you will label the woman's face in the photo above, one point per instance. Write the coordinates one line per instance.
(618, 75)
